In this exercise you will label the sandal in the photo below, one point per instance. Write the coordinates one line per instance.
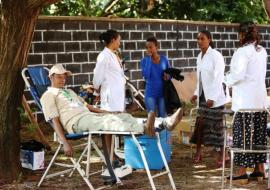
(220, 162)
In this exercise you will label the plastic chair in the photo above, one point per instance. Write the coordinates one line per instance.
(247, 148)
(37, 81)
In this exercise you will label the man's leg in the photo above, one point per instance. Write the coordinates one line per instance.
(93, 122)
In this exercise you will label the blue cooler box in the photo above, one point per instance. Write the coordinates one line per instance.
(150, 148)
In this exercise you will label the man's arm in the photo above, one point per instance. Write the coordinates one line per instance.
(95, 110)
(61, 135)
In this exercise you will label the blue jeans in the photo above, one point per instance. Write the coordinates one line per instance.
(153, 104)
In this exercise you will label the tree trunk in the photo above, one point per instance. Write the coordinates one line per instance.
(17, 26)
(18, 19)
(267, 8)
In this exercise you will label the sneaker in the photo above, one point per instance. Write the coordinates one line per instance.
(171, 122)
(119, 172)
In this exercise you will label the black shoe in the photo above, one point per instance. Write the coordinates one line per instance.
(245, 176)
(256, 176)
(109, 181)
(242, 179)
(117, 164)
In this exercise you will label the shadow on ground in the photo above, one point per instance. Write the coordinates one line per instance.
(186, 175)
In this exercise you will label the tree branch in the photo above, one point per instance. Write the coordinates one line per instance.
(40, 3)
(108, 7)
(266, 4)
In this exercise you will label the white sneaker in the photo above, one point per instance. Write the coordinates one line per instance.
(119, 172)
(173, 120)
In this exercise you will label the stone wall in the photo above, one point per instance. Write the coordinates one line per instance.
(74, 42)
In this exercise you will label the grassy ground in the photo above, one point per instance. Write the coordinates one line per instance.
(186, 175)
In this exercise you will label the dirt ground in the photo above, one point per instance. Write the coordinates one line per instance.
(186, 175)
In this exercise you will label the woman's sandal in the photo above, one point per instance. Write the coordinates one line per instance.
(197, 159)
(219, 162)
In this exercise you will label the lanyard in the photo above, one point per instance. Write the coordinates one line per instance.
(114, 56)
(67, 95)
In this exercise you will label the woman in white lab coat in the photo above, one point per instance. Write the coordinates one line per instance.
(247, 79)
(210, 97)
(109, 80)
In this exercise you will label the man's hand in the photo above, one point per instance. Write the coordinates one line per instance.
(193, 99)
(68, 149)
(97, 99)
(61, 135)
(209, 103)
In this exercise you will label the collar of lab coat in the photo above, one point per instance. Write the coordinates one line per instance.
(108, 50)
(209, 49)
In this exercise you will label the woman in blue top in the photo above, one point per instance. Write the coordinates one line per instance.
(153, 66)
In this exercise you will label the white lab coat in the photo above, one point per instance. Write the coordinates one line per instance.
(109, 75)
(247, 78)
(211, 68)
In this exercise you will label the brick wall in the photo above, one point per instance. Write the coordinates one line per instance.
(74, 42)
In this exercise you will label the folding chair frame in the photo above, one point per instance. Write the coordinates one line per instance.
(242, 150)
(87, 151)
(75, 165)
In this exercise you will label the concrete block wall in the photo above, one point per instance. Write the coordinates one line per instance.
(74, 42)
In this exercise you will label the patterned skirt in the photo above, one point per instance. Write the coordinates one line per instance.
(258, 131)
(209, 125)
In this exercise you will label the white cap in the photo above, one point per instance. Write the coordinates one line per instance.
(58, 69)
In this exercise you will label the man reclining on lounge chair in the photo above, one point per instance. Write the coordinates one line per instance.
(70, 112)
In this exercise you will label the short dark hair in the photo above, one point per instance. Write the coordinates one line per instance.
(108, 36)
(152, 39)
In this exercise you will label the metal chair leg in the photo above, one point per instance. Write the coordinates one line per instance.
(268, 158)
(165, 162)
(231, 169)
(50, 164)
(144, 162)
(223, 156)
